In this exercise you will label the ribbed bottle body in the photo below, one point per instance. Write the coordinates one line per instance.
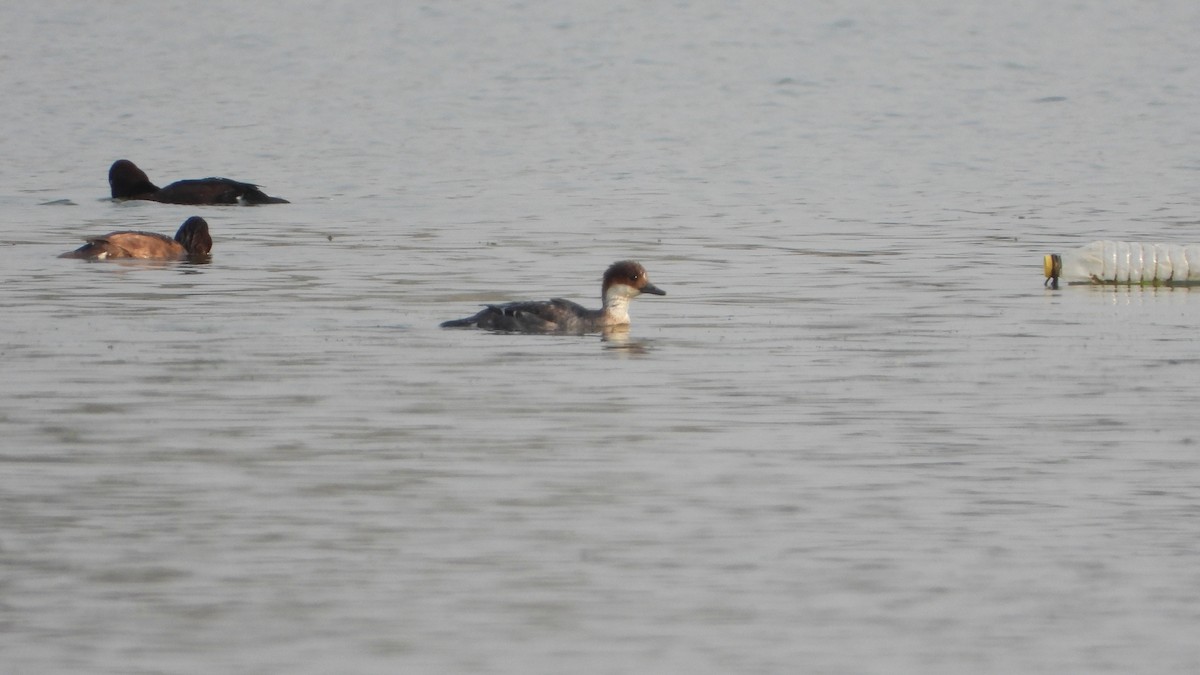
(1127, 262)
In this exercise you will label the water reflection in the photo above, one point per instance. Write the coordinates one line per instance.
(191, 266)
(1126, 295)
(617, 339)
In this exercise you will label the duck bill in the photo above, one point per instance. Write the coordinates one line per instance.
(653, 290)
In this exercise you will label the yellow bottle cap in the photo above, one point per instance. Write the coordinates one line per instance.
(1052, 264)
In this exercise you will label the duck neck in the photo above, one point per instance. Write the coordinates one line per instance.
(616, 305)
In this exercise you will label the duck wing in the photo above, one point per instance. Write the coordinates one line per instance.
(556, 315)
(214, 191)
(144, 245)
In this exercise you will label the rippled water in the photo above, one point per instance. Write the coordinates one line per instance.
(857, 435)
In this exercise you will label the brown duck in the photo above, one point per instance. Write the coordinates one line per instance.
(191, 242)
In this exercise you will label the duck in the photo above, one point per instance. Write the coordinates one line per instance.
(623, 281)
(127, 181)
(191, 242)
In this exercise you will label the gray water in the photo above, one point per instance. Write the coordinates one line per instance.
(857, 435)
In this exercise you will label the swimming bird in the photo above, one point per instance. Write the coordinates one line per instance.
(127, 181)
(623, 281)
(191, 242)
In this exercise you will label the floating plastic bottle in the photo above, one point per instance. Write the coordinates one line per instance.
(1126, 262)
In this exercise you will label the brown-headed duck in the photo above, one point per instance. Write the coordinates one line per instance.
(129, 182)
(191, 242)
(623, 281)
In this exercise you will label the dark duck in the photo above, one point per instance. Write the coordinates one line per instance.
(127, 181)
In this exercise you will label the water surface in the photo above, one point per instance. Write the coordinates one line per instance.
(857, 435)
